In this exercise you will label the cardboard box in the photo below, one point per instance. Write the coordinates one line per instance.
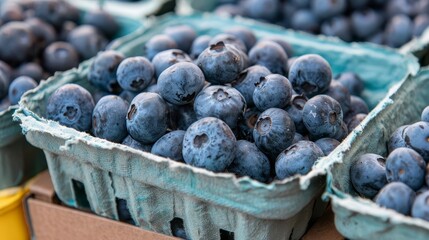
(48, 219)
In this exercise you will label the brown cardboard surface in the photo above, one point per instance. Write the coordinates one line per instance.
(324, 228)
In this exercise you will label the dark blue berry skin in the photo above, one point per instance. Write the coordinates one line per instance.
(407, 166)
(4, 104)
(87, 41)
(342, 132)
(396, 196)
(98, 94)
(422, 190)
(128, 95)
(359, 4)
(17, 43)
(147, 117)
(396, 7)
(420, 23)
(416, 137)
(109, 118)
(338, 26)
(102, 72)
(297, 159)
(180, 83)
(323, 117)
(244, 34)
(199, 45)
(285, 45)
(249, 161)
(377, 38)
(4, 85)
(355, 121)
(366, 23)
(209, 143)
(352, 82)
(327, 145)
(6, 70)
(11, 12)
(44, 33)
(103, 21)
(272, 91)
(368, 174)
(183, 35)
(311, 75)
(247, 123)
(131, 142)
(397, 140)
(324, 9)
(223, 102)
(19, 86)
(60, 56)
(398, 31)
(295, 110)
(358, 105)
(298, 137)
(157, 44)
(261, 9)
(168, 58)
(305, 20)
(71, 105)
(182, 116)
(229, 39)
(55, 12)
(274, 132)
(170, 146)
(340, 93)
(420, 208)
(222, 63)
(247, 80)
(135, 73)
(425, 114)
(270, 55)
(31, 69)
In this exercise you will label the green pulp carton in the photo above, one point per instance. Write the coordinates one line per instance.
(95, 173)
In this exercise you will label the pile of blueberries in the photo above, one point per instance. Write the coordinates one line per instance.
(387, 22)
(222, 103)
(400, 181)
(38, 38)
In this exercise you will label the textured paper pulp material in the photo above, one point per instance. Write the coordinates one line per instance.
(156, 189)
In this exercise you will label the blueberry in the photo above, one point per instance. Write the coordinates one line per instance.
(249, 161)
(340, 93)
(182, 116)
(398, 31)
(338, 26)
(298, 137)
(261, 9)
(311, 75)
(421, 22)
(247, 80)
(131, 142)
(66, 29)
(4, 104)
(199, 45)
(420, 208)
(323, 117)
(366, 23)
(425, 114)
(229, 39)
(397, 140)
(244, 34)
(270, 55)
(135, 73)
(274, 132)
(396, 196)
(324, 9)
(170, 146)
(396, 7)
(87, 41)
(297, 159)
(6, 70)
(358, 106)
(368, 174)
(357, 4)
(295, 110)
(168, 58)
(157, 44)
(60, 56)
(209, 143)
(180, 83)
(103, 21)
(128, 96)
(44, 33)
(422, 190)
(355, 121)
(4, 85)
(223, 102)
(19, 86)
(17, 43)
(102, 72)
(31, 69)
(300, 3)
(71, 105)
(327, 145)
(377, 38)
(221, 63)
(183, 35)
(10, 12)
(352, 82)
(247, 123)
(407, 166)
(416, 137)
(272, 91)
(305, 20)
(280, 41)
(56, 12)
(147, 117)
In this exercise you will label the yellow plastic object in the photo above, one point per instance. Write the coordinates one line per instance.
(12, 221)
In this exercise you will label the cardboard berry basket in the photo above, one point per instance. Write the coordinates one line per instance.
(359, 218)
(91, 172)
(19, 160)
